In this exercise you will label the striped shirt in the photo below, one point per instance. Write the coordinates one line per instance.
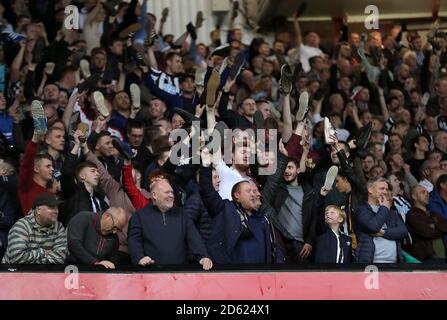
(27, 242)
(167, 83)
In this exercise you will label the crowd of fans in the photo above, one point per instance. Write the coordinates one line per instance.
(354, 135)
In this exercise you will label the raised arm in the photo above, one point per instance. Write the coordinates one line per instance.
(136, 197)
(287, 119)
(211, 198)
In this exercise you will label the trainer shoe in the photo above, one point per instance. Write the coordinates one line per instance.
(98, 97)
(330, 177)
(286, 79)
(328, 131)
(211, 88)
(39, 118)
(304, 106)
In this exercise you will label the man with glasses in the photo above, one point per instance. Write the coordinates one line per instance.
(92, 238)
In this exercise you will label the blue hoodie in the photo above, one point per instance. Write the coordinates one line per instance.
(6, 124)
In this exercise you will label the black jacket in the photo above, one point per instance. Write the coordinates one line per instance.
(77, 198)
(309, 218)
(165, 237)
(326, 251)
(86, 244)
(10, 210)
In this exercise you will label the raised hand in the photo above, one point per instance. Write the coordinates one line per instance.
(282, 148)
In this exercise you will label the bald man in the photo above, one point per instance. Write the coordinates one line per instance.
(426, 228)
(163, 234)
(92, 238)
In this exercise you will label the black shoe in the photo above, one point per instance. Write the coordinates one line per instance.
(286, 79)
(363, 137)
(192, 31)
(199, 19)
(301, 9)
(123, 148)
(90, 83)
(239, 62)
(188, 117)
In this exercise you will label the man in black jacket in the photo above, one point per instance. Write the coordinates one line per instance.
(84, 194)
(161, 233)
(92, 238)
(294, 217)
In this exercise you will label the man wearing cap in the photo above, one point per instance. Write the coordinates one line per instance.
(38, 238)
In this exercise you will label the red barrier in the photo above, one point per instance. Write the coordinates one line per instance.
(226, 286)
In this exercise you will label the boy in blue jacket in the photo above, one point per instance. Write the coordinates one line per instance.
(334, 246)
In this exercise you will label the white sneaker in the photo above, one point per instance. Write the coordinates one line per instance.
(304, 104)
(39, 118)
(135, 94)
(328, 131)
(200, 76)
(330, 177)
(85, 69)
(100, 104)
(49, 67)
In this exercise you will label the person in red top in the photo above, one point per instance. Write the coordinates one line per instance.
(136, 196)
(36, 172)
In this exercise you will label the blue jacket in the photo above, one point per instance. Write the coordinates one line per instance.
(369, 223)
(227, 227)
(165, 237)
(326, 251)
(438, 206)
(6, 125)
(199, 215)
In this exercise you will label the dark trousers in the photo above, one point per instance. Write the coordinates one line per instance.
(291, 248)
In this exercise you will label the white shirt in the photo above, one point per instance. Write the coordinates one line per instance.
(228, 178)
(338, 248)
(307, 52)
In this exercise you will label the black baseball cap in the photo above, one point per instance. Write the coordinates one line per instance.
(46, 199)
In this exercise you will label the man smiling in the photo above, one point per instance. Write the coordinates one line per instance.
(38, 238)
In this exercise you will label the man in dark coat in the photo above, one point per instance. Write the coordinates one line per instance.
(379, 229)
(161, 233)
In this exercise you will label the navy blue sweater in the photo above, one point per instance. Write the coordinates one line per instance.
(164, 237)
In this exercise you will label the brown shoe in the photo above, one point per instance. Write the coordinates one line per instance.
(211, 88)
